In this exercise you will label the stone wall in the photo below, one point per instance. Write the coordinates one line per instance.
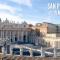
(31, 58)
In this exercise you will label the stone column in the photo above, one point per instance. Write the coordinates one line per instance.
(10, 34)
(14, 33)
(6, 33)
(21, 51)
(26, 36)
(31, 53)
(1, 33)
(22, 34)
(10, 50)
(3, 50)
(18, 35)
(42, 52)
(55, 54)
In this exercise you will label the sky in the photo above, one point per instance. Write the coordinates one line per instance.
(31, 11)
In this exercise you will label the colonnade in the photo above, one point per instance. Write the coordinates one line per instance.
(31, 53)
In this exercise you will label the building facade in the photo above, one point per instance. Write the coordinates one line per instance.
(17, 33)
(41, 34)
(50, 33)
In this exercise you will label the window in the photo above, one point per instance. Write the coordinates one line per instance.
(16, 51)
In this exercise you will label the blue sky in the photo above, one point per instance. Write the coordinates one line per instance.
(31, 11)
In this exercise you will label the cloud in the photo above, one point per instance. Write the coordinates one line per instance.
(7, 7)
(17, 19)
(10, 9)
(24, 2)
(46, 19)
(4, 15)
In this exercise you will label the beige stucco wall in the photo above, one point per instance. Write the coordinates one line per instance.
(54, 41)
(51, 28)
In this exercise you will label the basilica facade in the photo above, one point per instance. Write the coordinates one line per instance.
(18, 33)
